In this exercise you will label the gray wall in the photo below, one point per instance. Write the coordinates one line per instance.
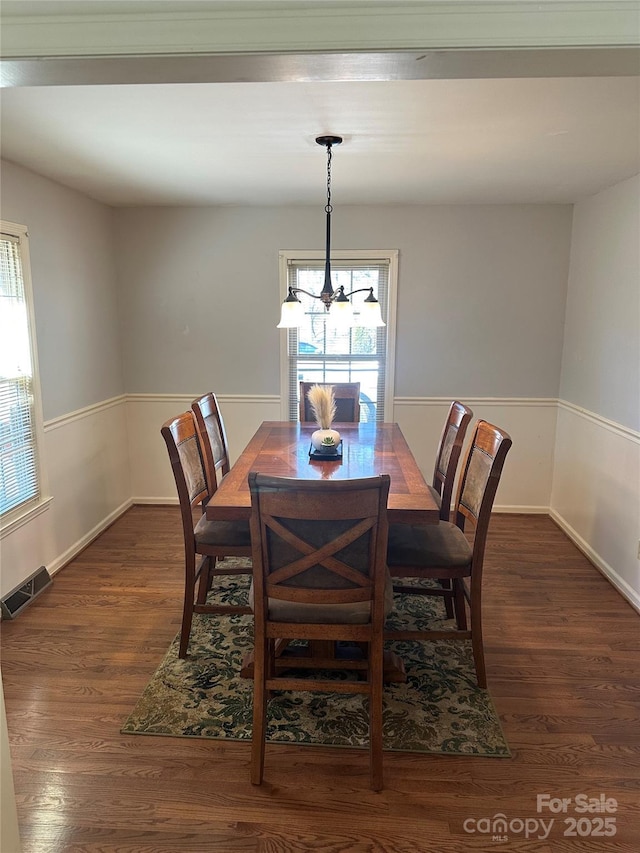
(601, 360)
(72, 267)
(482, 292)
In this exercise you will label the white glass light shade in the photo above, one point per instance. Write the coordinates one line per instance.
(341, 314)
(291, 315)
(370, 315)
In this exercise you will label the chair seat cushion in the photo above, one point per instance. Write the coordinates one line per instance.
(333, 614)
(231, 533)
(441, 545)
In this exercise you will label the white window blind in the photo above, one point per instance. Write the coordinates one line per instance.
(19, 480)
(318, 352)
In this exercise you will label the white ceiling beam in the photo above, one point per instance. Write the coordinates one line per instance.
(312, 26)
(317, 67)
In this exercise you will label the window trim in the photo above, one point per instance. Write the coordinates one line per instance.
(286, 255)
(23, 513)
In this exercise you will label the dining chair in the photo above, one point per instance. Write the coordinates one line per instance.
(205, 541)
(446, 465)
(347, 397)
(319, 573)
(443, 551)
(213, 439)
(448, 455)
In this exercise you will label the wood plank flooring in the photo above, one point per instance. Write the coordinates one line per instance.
(562, 658)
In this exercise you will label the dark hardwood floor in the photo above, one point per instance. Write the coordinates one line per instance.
(562, 659)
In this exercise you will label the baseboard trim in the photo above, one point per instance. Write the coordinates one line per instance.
(521, 510)
(63, 559)
(626, 591)
(155, 501)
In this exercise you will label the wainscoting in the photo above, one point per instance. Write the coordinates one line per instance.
(151, 477)
(595, 495)
(581, 469)
(86, 454)
(525, 485)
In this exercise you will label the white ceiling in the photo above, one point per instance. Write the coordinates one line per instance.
(484, 139)
(416, 142)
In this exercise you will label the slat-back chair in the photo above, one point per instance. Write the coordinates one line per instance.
(213, 439)
(319, 573)
(207, 541)
(443, 551)
(347, 397)
(446, 465)
(448, 455)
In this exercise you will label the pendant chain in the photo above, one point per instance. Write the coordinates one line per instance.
(328, 207)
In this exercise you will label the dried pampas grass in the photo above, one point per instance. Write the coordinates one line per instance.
(323, 404)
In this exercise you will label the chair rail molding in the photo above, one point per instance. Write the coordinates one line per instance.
(249, 399)
(484, 401)
(85, 412)
(612, 426)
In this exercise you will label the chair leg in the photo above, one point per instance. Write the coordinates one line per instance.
(476, 638)
(187, 618)
(459, 604)
(260, 665)
(376, 667)
(270, 666)
(445, 583)
(206, 576)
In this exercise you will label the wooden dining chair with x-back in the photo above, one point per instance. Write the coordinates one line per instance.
(319, 573)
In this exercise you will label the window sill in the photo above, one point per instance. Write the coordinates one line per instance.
(24, 517)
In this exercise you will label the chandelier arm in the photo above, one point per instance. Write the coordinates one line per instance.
(339, 292)
(362, 290)
(306, 292)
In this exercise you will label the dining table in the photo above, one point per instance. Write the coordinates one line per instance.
(283, 449)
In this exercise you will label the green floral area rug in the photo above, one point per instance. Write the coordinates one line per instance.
(440, 708)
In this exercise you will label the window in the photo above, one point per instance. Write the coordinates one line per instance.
(20, 417)
(319, 352)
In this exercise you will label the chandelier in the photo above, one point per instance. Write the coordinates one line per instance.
(292, 312)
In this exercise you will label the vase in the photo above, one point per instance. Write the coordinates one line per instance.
(325, 441)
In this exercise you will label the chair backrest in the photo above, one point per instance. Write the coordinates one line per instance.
(213, 438)
(479, 481)
(187, 463)
(347, 397)
(448, 454)
(319, 541)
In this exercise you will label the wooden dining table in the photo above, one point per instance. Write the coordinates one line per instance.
(282, 448)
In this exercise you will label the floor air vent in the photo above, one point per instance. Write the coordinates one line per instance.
(18, 598)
